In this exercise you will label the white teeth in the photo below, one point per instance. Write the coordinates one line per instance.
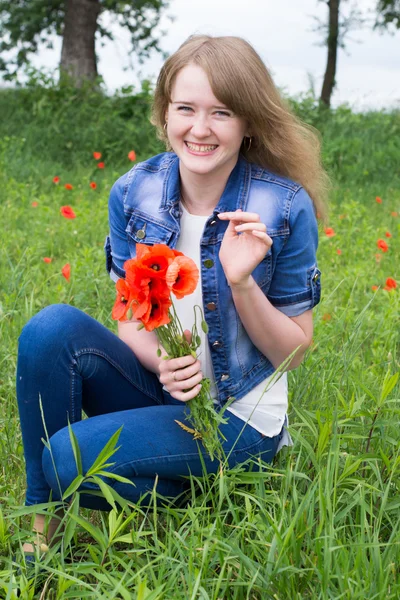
(197, 148)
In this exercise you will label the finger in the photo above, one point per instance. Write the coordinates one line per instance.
(182, 374)
(173, 364)
(188, 335)
(187, 384)
(239, 215)
(263, 236)
(251, 226)
(186, 396)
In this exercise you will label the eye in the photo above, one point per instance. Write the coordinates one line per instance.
(223, 113)
(184, 108)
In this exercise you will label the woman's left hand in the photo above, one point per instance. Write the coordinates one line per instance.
(243, 246)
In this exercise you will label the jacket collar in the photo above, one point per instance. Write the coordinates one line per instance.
(234, 195)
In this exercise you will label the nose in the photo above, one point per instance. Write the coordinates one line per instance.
(200, 127)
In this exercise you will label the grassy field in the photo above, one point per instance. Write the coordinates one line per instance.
(323, 521)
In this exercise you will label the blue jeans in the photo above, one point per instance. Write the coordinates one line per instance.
(73, 362)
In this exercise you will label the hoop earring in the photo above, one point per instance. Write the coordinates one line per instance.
(249, 143)
(165, 126)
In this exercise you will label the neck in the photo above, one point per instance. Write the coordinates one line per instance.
(201, 193)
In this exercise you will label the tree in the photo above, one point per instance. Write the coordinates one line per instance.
(335, 30)
(26, 24)
(388, 14)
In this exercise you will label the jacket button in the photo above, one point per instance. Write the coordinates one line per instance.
(217, 344)
(211, 306)
(224, 377)
(208, 263)
(316, 277)
(140, 234)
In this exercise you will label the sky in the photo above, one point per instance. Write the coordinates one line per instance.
(368, 72)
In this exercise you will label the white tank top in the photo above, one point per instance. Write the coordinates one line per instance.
(266, 412)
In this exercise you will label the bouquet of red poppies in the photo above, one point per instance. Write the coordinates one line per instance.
(145, 294)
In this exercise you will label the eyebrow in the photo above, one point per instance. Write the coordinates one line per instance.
(192, 104)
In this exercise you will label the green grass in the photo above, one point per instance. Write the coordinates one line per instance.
(322, 521)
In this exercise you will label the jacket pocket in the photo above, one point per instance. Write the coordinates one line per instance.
(142, 230)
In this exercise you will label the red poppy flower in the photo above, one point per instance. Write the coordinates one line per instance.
(388, 234)
(394, 213)
(68, 186)
(66, 271)
(338, 251)
(391, 283)
(67, 212)
(182, 276)
(374, 288)
(329, 231)
(97, 155)
(158, 313)
(155, 258)
(122, 301)
(132, 155)
(326, 317)
(35, 204)
(47, 259)
(101, 165)
(93, 185)
(379, 200)
(56, 179)
(382, 245)
(342, 216)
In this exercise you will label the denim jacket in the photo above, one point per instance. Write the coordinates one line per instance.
(144, 207)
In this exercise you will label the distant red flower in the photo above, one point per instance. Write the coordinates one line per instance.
(101, 165)
(378, 257)
(382, 245)
(66, 271)
(338, 251)
(97, 155)
(132, 155)
(329, 232)
(93, 185)
(394, 213)
(56, 179)
(47, 259)
(67, 212)
(35, 204)
(374, 288)
(391, 284)
(388, 234)
(379, 200)
(342, 216)
(68, 186)
(326, 317)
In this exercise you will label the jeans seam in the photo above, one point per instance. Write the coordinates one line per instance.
(116, 366)
(183, 456)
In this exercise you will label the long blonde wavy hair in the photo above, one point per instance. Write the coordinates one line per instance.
(239, 79)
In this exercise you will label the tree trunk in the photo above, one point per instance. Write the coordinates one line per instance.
(333, 37)
(78, 57)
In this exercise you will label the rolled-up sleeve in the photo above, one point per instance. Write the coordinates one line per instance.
(296, 280)
(116, 245)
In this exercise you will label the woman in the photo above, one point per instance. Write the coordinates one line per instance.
(238, 193)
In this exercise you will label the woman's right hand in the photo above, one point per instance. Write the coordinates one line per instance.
(179, 374)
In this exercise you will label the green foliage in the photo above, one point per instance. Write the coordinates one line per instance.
(322, 521)
(388, 14)
(26, 24)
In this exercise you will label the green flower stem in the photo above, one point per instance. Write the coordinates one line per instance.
(202, 415)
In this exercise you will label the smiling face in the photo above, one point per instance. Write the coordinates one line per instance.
(205, 134)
